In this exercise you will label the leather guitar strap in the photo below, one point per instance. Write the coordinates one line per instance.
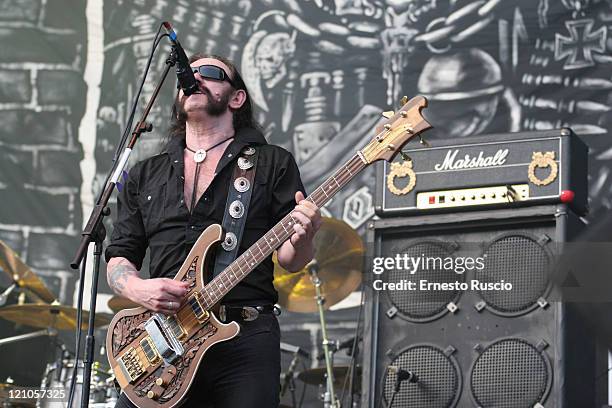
(236, 209)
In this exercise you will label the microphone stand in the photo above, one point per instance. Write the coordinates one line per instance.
(95, 231)
(329, 397)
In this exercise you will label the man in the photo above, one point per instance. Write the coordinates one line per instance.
(169, 199)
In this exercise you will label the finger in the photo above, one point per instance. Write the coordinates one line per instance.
(174, 288)
(299, 235)
(168, 297)
(302, 220)
(168, 306)
(174, 282)
(309, 204)
(156, 305)
(299, 196)
(300, 230)
(309, 212)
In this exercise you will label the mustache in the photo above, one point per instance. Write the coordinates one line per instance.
(201, 90)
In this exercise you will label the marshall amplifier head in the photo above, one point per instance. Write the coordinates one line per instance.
(498, 170)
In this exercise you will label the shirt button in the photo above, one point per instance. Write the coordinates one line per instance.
(205, 198)
(193, 227)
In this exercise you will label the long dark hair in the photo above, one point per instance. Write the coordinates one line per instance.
(243, 117)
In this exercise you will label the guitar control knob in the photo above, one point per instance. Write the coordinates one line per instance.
(152, 395)
(160, 381)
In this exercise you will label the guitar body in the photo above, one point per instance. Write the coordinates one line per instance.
(146, 378)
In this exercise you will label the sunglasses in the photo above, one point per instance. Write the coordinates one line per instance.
(212, 72)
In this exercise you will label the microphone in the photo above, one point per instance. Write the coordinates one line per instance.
(289, 348)
(186, 80)
(402, 375)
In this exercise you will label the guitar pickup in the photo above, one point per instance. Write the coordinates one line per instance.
(150, 351)
(198, 309)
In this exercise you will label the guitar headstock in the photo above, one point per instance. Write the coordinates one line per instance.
(397, 130)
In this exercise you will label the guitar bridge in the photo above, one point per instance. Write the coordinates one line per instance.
(130, 364)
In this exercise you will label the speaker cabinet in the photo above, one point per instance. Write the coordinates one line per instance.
(482, 346)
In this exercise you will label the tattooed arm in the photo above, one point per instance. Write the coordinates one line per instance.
(118, 272)
(159, 294)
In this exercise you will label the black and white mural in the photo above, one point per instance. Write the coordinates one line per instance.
(320, 73)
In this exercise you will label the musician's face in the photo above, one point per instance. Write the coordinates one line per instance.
(214, 94)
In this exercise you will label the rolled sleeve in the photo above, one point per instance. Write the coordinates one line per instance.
(128, 239)
(286, 184)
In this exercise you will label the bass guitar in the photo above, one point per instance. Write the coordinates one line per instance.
(154, 356)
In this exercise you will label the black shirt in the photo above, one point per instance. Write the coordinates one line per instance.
(152, 212)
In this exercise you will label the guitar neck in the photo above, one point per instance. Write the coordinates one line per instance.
(214, 291)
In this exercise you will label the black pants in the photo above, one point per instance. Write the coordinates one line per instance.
(240, 373)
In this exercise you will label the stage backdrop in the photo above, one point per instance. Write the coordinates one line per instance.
(320, 73)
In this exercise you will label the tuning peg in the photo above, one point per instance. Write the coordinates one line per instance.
(423, 141)
(388, 114)
(404, 100)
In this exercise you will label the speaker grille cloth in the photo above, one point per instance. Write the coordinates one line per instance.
(521, 261)
(510, 374)
(423, 304)
(438, 379)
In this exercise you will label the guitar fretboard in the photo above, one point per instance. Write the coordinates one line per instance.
(258, 252)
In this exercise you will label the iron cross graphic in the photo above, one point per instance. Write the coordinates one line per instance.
(579, 47)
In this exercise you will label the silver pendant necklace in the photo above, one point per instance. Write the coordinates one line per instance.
(198, 157)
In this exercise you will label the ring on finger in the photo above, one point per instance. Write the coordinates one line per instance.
(170, 304)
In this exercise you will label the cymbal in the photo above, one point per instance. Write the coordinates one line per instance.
(22, 274)
(117, 303)
(339, 254)
(318, 376)
(55, 316)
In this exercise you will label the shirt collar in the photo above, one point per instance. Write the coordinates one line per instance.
(243, 137)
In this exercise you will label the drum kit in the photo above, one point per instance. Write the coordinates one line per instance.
(334, 273)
